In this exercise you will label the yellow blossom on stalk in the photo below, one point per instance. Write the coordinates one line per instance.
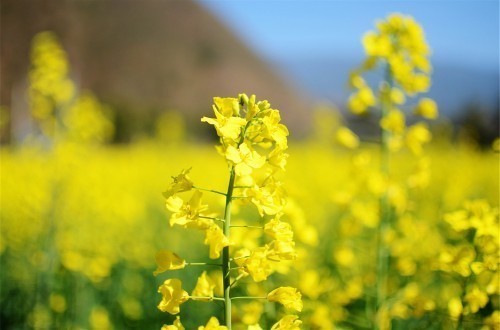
(394, 122)
(397, 96)
(173, 296)
(282, 250)
(228, 106)
(274, 130)
(204, 288)
(167, 260)
(176, 326)
(475, 299)
(416, 136)
(455, 307)
(185, 213)
(227, 126)
(252, 312)
(244, 159)
(493, 321)
(277, 157)
(287, 296)
(269, 198)
(213, 324)
(359, 102)
(288, 322)
(258, 265)
(214, 237)
(347, 138)
(278, 230)
(426, 108)
(180, 183)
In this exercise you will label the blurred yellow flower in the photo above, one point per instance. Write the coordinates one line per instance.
(214, 237)
(176, 326)
(288, 322)
(213, 324)
(347, 138)
(426, 108)
(204, 288)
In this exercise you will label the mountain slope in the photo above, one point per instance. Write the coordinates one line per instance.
(144, 57)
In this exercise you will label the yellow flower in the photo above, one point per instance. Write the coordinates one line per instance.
(359, 102)
(173, 296)
(185, 213)
(167, 260)
(278, 230)
(216, 240)
(176, 326)
(475, 299)
(254, 327)
(269, 198)
(282, 250)
(393, 122)
(347, 138)
(288, 322)
(258, 265)
(251, 313)
(377, 45)
(493, 321)
(416, 136)
(426, 108)
(455, 307)
(274, 130)
(244, 159)
(287, 296)
(204, 288)
(181, 183)
(226, 126)
(228, 106)
(213, 324)
(277, 158)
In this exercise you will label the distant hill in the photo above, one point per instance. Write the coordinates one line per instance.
(454, 87)
(142, 57)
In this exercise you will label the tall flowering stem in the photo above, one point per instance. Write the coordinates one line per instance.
(226, 261)
(253, 143)
(385, 207)
(399, 48)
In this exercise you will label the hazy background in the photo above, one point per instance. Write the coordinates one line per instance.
(146, 57)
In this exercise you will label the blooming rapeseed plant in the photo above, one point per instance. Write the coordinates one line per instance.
(253, 142)
(398, 48)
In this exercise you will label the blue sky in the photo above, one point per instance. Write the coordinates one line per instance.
(460, 32)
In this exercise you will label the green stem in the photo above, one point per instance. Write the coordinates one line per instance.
(225, 251)
(212, 218)
(245, 226)
(206, 298)
(202, 264)
(247, 297)
(210, 190)
(385, 208)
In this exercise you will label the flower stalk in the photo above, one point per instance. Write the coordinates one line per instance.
(226, 261)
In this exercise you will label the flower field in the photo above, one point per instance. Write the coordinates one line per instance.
(402, 233)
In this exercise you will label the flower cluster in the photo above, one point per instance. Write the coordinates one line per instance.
(472, 257)
(253, 142)
(398, 46)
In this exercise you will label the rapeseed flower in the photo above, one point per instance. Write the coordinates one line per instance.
(172, 296)
(287, 296)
